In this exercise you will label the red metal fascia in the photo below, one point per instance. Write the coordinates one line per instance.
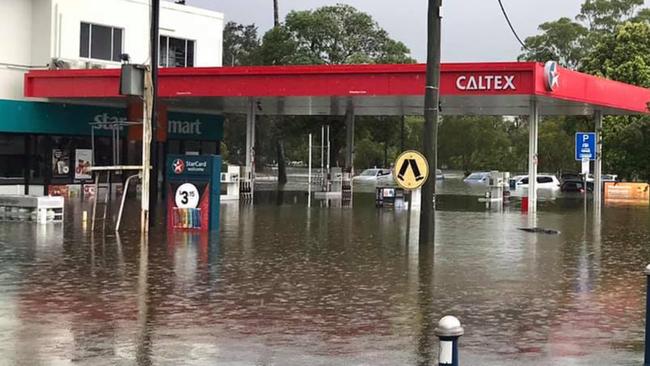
(340, 80)
(319, 80)
(587, 89)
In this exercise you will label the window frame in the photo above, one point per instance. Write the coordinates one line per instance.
(90, 41)
(165, 57)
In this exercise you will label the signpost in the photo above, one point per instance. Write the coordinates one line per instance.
(411, 171)
(585, 152)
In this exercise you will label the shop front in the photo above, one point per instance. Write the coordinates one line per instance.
(45, 148)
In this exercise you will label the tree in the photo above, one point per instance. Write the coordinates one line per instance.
(605, 15)
(240, 44)
(625, 56)
(561, 40)
(568, 42)
(337, 34)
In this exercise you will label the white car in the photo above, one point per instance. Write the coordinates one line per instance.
(372, 175)
(478, 178)
(544, 181)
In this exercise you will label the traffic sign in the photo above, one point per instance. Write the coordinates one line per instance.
(585, 146)
(411, 170)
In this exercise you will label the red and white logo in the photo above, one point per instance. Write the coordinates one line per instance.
(178, 166)
(551, 75)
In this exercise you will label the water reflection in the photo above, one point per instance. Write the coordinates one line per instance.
(291, 285)
(427, 318)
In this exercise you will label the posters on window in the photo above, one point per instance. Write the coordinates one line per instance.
(60, 163)
(83, 159)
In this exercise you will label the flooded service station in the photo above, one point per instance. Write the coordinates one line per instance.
(284, 278)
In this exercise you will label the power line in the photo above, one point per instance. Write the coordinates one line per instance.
(505, 14)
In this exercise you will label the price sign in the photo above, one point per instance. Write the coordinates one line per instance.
(187, 196)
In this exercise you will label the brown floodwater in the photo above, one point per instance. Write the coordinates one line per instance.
(283, 284)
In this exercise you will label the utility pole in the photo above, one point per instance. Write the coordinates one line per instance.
(431, 112)
(276, 14)
(155, 29)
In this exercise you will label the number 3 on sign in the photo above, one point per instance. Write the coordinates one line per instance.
(187, 196)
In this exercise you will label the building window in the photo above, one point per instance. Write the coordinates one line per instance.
(12, 156)
(100, 42)
(176, 52)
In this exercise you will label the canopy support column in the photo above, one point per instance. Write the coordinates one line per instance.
(250, 144)
(598, 163)
(533, 132)
(349, 138)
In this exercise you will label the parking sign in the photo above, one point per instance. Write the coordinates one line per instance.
(585, 146)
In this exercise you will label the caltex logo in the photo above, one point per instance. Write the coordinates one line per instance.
(178, 166)
(551, 75)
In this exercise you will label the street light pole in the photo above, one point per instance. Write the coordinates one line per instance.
(431, 112)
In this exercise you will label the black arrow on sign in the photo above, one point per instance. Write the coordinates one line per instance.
(414, 166)
(416, 170)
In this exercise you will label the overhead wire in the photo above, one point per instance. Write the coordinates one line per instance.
(512, 28)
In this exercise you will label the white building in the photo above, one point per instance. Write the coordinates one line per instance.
(87, 34)
(93, 33)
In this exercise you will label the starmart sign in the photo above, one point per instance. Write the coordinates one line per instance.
(486, 83)
(70, 119)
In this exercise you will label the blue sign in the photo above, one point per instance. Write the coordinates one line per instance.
(585, 145)
(194, 126)
(193, 192)
(71, 119)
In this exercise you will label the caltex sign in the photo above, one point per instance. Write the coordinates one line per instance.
(486, 82)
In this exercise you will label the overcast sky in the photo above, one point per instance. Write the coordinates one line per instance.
(473, 30)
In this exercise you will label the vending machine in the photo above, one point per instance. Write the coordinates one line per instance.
(193, 192)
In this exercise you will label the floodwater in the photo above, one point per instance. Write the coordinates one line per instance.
(283, 284)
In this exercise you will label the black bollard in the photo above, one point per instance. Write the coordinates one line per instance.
(646, 357)
(449, 330)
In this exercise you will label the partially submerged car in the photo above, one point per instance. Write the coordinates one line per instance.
(544, 181)
(372, 175)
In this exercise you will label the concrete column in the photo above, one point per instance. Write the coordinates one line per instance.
(349, 137)
(533, 131)
(250, 139)
(598, 163)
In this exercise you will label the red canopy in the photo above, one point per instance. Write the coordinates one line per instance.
(466, 89)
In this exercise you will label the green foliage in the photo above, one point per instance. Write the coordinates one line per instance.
(330, 35)
(605, 15)
(240, 44)
(279, 47)
(341, 34)
(570, 42)
(561, 40)
(623, 55)
(477, 143)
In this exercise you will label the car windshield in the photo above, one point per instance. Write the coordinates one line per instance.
(369, 173)
(476, 176)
